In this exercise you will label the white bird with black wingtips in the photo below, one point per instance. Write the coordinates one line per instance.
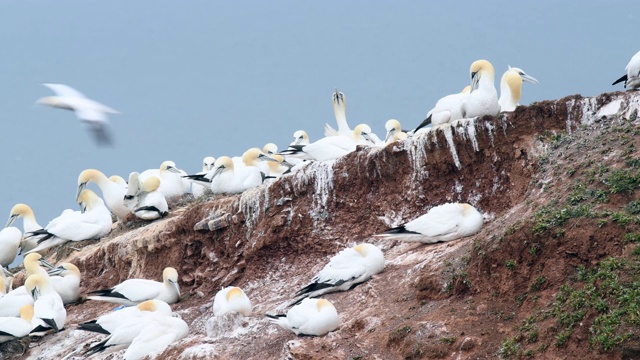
(632, 77)
(442, 223)
(88, 111)
(134, 291)
(312, 317)
(48, 310)
(344, 271)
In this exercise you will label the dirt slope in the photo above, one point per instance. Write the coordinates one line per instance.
(556, 182)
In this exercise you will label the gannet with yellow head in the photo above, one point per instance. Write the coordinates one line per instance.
(231, 300)
(16, 327)
(108, 323)
(511, 88)
(65, 280)
(442, 223)
(312, 317)
(48, 310)
(90, 112)
(344, 271)
(92, 223)
(134, 291)
(483, 99)
(112, 192)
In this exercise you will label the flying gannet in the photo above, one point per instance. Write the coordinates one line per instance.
(344, 271)
(632, 77)
(442, 223)
(312, 317)
(134, 291)
(90, 112)
(231, 300)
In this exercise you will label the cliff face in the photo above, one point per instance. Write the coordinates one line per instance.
(464, 299)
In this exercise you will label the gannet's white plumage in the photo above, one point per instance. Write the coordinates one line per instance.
(12, 301)
(340, 111)
(442, 223)
(171, 183)
(313, 317)
(345, 270)
(16, 327)
(117, 179)
(483, 99)
(134, 291)
(278, 167)
(159, 333)
(144, 199)
(632, 77)
(112, 192)
(394, 131)
(48, 309)
(300, 137)
(333, 147)
(227, 178)
(91, 224)
(231, 300)
(447, 109)
(10, 238)
(126, 324)
(107, 323)
(65, 280)
(29, 224)
(253, 157)
(88, 111)
(511, 88)
(198, 189)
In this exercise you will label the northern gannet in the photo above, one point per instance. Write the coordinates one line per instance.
(394, 131)
(29, 224)
(112, 192)
(171, 183)
(340, 111)
(65, 280)
(333, 147)
(107, 323)
(231, 300)
(226, 178)
(198, 189)
(88, 111)
(144, 199)
(344, 271)
(16, 327)
(10, 238)
(632, 77)
(134, 291)
(300, 137)
(442, 223)
(511, 88)
(483, 99)
(447, 109)
(48, 310)
(312, 317)
(12, 301)
(118, 180)
(93, 223)
(159, 333)
(128, 328)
